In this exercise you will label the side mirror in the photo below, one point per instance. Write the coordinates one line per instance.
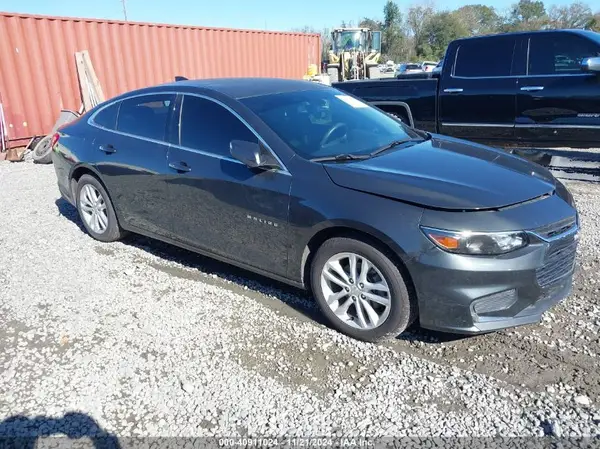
(252, 154)
(591, 64)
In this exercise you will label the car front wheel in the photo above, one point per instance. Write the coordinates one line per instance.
(360, 290)
(96, 210)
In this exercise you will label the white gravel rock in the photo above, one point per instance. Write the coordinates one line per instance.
(139, 338)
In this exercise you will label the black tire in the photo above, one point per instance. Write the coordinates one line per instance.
(113, 231)
(403, 309)
(42, 152)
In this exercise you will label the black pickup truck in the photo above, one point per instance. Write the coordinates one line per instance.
(539, 88)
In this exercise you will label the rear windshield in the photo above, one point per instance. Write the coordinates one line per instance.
(325, 122)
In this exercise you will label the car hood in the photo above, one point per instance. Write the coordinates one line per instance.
(446, 173)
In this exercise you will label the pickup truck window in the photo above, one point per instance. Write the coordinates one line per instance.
(559, 55)
(478, 58)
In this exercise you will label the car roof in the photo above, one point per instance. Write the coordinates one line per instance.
(585, 33)
(239, 88)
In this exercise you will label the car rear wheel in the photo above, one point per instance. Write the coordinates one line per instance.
(360, 290)
(96, 210)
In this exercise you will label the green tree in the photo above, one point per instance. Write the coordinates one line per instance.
(527, 15)
(373, 24)
(417, 18)
(479, 19)
(575, 15)
(392, 35)
(594, 22)
(441, 29)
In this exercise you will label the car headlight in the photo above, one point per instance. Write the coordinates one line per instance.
(476, 243)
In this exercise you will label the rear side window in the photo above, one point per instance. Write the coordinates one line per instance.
(208, 126)
(485, 57)
(559, 54)
(107, 117)
(146, 116)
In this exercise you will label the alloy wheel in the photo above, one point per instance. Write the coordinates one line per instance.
(93, 209)
(356, 291)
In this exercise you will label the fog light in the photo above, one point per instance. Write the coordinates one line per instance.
(496, 302)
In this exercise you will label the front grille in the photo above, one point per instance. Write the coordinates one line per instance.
(559, 261)
(556, 228)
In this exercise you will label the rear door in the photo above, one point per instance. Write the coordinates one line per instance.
(218, 204)
(558, 103)
(131, 155)
(477, 90)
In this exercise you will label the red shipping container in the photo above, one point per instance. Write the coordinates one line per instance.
(38, 77)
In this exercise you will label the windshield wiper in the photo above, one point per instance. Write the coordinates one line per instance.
(341, 158)
(393, 144)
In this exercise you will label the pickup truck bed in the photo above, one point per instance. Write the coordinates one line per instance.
(412, 99)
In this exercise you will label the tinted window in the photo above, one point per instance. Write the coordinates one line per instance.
(146, 116)
(559, 53)
(485, 57)
(208, 126)
(107, 117)
(322, 122)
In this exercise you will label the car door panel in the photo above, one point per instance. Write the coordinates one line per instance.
(477, 101)
(557, 103)
(220, 205)
(134, 169)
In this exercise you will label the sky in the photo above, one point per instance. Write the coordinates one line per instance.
(251, 14)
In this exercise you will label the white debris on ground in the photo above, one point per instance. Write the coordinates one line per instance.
(150, 340)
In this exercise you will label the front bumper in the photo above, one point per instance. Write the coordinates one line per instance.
(473, 295)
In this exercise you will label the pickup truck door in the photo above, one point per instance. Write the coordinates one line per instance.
(558, 103)
(477, 90)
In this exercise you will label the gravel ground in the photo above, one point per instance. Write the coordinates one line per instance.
(150, 340)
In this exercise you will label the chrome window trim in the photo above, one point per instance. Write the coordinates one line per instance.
(561, 126)
(527, 60)
(518, 76)
(521, 125)
(109, 103)
(481, 125)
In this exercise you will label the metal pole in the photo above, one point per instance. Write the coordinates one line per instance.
(124, 10)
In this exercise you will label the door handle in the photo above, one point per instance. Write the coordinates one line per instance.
(454, 90)
(180, 166)
(532, 88)
(107, 148)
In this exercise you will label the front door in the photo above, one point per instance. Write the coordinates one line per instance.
(477, 92)
(219, 204)
(558, 103)
(131, 154)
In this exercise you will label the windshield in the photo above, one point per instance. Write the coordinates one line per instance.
(325, 122)
(349, 40)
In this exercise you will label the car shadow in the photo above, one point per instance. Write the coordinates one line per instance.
(22, 432)
(243, 281)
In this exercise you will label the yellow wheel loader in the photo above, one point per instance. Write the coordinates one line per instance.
(354, 54)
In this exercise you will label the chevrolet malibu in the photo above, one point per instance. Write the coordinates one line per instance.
(308, 185)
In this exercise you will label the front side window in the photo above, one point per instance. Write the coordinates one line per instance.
(485, 57)
(323, 122)
(559, 54)
(208, 126)
(146, 116)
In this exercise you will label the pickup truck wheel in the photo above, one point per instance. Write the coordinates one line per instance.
(360, 290)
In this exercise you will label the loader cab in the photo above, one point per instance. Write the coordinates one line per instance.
(354, 53)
